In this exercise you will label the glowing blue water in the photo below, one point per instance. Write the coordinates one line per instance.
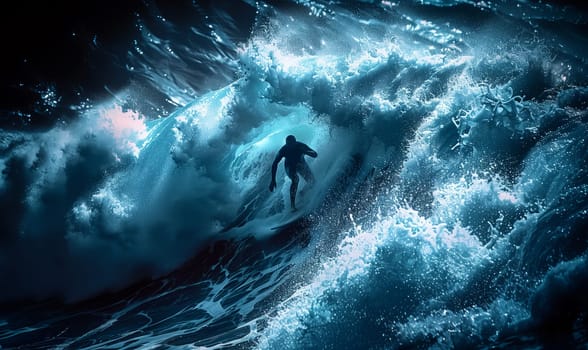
(450, 211)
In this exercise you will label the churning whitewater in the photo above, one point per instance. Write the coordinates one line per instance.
(449, 211)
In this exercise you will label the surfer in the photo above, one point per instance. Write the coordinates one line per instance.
(294, 164)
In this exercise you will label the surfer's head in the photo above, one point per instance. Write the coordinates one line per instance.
(290, 140)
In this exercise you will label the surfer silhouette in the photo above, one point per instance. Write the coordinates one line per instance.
(294, 164)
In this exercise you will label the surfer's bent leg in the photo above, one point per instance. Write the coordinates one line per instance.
(304, 170)
(292, 174)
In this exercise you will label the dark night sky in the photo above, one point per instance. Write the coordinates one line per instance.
(52, 44)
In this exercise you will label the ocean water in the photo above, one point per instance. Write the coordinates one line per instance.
(450, 209)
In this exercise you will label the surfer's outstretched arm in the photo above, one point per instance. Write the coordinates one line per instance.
(310, 152)
(275, 169)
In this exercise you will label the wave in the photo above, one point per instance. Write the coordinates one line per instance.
(450, 206)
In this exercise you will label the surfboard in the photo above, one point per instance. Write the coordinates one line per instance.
(289, 218)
